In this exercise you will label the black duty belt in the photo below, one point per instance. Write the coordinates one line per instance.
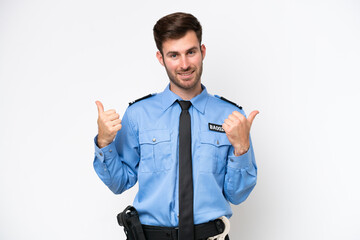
(202, 231)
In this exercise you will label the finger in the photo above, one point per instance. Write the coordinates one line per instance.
(100, 107)
(238, 115)
(232, 117)
(116, 122)
(113, 116)
(109, 112)
(225, 127)
(253, 115)
(117, 127)
(228, 122)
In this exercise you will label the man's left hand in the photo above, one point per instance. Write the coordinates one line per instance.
(237, 129)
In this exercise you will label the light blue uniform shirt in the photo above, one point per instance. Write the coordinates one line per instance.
(146, 150)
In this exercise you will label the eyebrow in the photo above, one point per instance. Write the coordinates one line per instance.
(175, 52)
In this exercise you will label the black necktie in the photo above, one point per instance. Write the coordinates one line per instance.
(186, 212)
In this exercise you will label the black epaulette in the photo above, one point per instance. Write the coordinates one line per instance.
(142, 98)
(224, 99)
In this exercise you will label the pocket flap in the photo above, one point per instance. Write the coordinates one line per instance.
(214, 138)
(154, 136)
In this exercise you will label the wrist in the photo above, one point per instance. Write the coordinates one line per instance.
(238, 151)
(102, 143)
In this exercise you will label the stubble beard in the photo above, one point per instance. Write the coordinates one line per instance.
(177, 82)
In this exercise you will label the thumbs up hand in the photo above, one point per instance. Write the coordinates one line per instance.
(237, 129)
(108, 124)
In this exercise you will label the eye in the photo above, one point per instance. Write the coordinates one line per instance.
(173, 55)
(191, 52)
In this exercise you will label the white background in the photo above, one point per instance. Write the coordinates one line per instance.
(296, 61)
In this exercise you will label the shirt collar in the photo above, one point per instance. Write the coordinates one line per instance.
(199, 101)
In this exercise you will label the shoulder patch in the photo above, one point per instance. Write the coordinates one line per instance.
(224, 99)
(139, 99)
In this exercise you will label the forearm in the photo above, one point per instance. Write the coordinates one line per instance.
(115, 174)
(241, 176)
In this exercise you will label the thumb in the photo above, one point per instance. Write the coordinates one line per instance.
(100, 107)
(252, 116)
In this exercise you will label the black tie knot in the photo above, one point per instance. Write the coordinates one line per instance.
(185, 105)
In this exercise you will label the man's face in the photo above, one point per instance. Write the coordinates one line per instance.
(182, 59)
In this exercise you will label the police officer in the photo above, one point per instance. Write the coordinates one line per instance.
(144, 146)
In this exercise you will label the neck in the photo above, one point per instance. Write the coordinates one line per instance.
(186, 94)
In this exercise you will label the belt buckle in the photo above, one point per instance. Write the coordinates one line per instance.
(222, 235)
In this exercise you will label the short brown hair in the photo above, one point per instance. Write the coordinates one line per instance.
(175, 26)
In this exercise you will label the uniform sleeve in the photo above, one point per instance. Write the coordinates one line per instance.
(117, 164)
(241, 175)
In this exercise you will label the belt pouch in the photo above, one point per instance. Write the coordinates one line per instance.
(129, 219)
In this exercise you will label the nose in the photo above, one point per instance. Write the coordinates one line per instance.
(184, 64)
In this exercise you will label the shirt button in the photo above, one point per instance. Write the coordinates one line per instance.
(110, 151)
(154, 139)
(231, 160)
(100, 154)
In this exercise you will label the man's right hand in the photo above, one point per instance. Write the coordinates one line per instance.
(108, 123)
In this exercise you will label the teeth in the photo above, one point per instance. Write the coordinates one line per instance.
(185, 74)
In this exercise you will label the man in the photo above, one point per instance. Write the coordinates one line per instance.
(190, 151)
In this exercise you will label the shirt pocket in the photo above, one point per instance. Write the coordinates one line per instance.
(214, 150)
(155, 150)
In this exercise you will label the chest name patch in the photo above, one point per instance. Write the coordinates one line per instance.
(216, 127)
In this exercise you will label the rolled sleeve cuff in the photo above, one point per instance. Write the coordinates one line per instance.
(242, 161)
(105, 153)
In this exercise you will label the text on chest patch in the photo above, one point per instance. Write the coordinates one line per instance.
(216, 127)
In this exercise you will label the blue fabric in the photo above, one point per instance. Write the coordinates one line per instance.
(146, 150)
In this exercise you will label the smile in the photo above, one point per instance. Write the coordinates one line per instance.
(186, 73)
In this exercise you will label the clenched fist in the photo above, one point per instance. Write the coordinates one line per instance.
(108, 123)
(237, 129)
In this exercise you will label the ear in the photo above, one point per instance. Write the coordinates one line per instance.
(203, 51)
(160, 57)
